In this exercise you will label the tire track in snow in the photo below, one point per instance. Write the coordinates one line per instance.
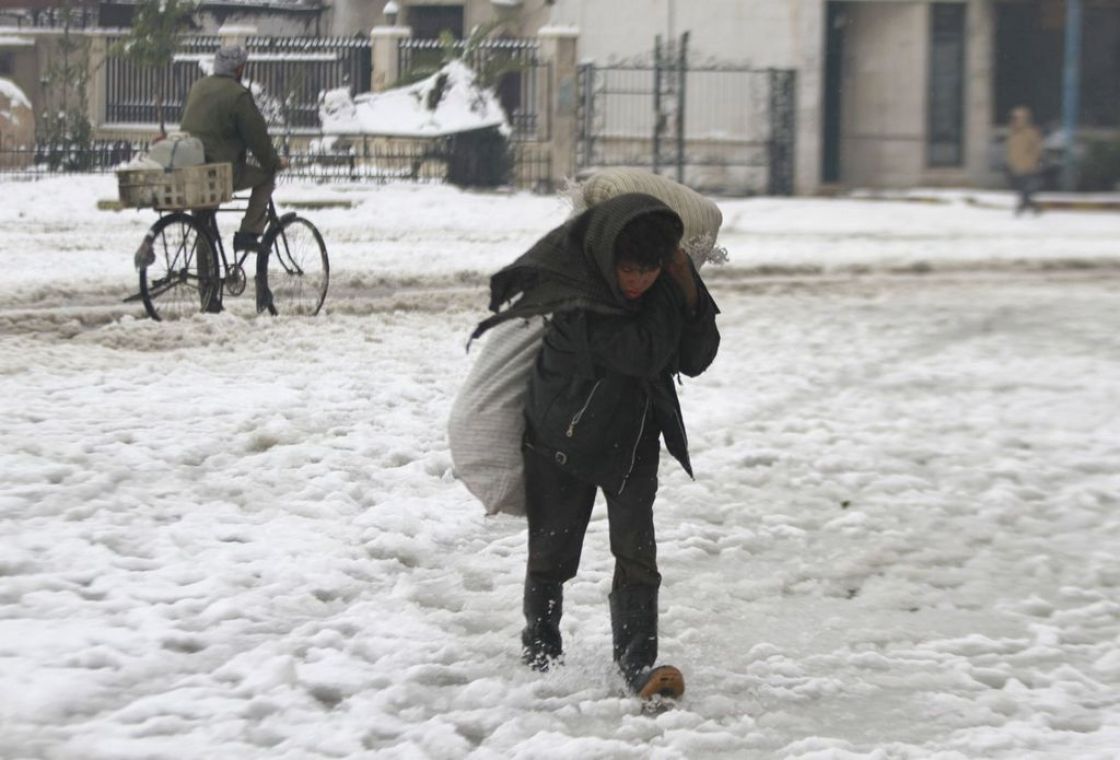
(69, 312)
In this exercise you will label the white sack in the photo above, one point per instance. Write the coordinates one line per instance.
(177, 150)
(701, 216)
(487, 419)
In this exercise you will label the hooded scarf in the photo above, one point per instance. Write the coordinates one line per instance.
(573, 266)
(227, 59)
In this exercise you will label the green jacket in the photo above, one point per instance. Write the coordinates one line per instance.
(221, 113)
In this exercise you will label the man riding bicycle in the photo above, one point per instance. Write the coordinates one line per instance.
(220, 112)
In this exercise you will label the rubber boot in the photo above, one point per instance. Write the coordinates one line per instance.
(264, 294)
(634, 628)
(541, 647)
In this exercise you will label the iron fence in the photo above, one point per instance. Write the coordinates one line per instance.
(287, 75)
(716, 127)
(512, 67)
(427, 162)
(783, 128)
(416, 161)
(48, 158)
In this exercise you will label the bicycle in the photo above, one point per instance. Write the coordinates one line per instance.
(184, 268)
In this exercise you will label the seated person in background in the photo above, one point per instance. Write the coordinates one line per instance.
(220, 111)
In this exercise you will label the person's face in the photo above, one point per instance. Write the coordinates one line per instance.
(634, 279)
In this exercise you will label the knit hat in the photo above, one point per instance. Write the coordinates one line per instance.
(227, 59)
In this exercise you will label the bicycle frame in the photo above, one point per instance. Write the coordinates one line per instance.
(209, 220)
(228, 270)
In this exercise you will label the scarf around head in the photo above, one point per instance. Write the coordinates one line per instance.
(228, 58)
(572, 266)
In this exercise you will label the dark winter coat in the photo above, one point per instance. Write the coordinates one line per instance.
(221, 113)
(605, 371)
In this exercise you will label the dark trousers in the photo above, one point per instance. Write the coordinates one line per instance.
(1027, 186)
(262, 183)
(558, 507)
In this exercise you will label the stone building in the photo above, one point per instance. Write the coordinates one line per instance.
(889, 93)
(427, 18)
(295, 18)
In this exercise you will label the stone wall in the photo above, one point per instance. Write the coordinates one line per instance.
(882, 126)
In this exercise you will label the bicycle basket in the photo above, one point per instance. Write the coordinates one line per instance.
(204, 186)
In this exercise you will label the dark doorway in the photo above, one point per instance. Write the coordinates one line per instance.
(835, 22)
(1030, 48)
(945, 127)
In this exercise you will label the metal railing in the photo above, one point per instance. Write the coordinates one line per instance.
(416, 53)
(731, 127)
(48, 158)
(289, 74)
(416, 161)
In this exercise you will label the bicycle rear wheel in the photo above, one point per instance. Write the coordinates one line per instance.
(293, 272)
(178, 269)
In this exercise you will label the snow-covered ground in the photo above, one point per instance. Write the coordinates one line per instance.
(240, 537)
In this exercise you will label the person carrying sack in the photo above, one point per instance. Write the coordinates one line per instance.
(220, 111)
(629, 312)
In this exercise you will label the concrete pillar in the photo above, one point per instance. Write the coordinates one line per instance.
(384, 41)
(236, 34)
(558, 46)
(979, 88)
(96, 86)
(809, 41)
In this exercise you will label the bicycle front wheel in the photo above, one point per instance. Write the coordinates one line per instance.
(292, 269)
(178, 269)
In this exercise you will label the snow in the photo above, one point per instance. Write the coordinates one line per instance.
(13, 93)
(234, 536)
(206, 60)
(558, 30)
(407, 112)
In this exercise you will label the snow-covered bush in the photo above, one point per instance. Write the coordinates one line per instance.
(17, 123)
(448, 102)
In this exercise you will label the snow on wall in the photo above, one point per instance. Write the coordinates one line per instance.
(17, 121)
(463, 106)
(14, 94)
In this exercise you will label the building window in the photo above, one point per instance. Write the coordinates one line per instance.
(429, 21)
(1030, 50)
(945, 141)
